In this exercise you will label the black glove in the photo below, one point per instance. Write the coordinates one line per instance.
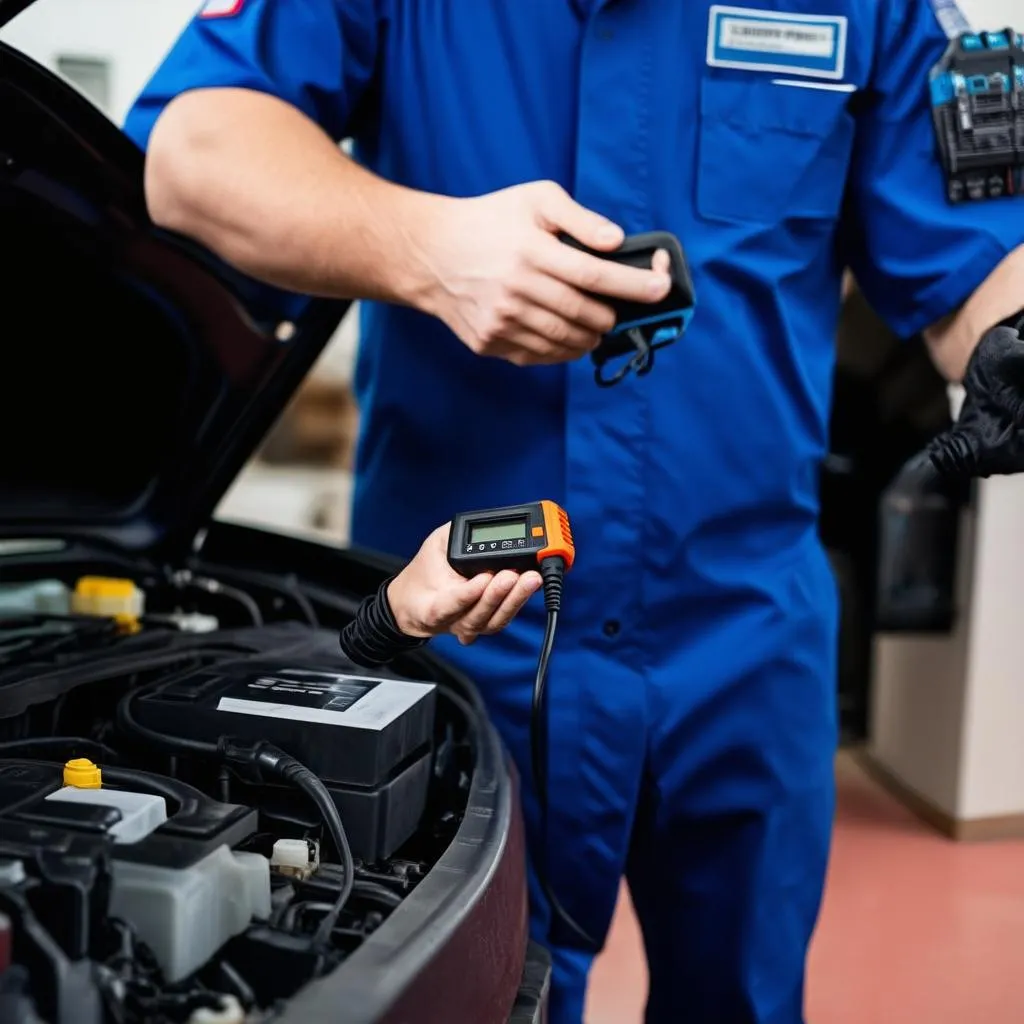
(988, 438)
(920, 509)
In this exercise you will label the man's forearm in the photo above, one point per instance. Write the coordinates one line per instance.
(952, 340)
(262, 186)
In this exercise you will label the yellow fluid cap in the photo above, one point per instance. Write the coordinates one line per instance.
(106, 596)
(82, 774)
(104, 586)
(128, 623)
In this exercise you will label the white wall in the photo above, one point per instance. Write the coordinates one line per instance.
(948, 712)
(994, 14)
(919, 698)
(992, 780)
(133, 35)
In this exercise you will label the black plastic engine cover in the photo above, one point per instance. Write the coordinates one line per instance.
(368, 737)
(196, 824)
(346, 726)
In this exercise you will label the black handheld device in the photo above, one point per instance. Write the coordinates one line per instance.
(517, 537)
(642, 327)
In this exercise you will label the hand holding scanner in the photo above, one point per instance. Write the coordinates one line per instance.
(642, 327)
(523, 537)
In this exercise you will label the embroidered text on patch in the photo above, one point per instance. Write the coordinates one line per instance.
(805, 44)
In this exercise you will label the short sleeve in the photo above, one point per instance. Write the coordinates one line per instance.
(916, 256)
(318, 55)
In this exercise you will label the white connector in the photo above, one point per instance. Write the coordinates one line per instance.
(297, 858)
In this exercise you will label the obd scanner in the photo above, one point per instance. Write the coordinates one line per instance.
(641, 328)
(977, 95)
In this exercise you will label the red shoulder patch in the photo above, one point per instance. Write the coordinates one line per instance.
(221, 8)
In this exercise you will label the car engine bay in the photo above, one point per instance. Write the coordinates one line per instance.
(203, 806)
(206, 813)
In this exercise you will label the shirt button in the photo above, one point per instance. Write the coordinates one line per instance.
(611, 627)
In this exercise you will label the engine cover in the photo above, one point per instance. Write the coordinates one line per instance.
(369, 738)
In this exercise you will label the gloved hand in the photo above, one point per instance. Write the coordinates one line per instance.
(920, 509)
(988, 438)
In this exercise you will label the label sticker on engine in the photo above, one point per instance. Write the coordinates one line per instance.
(753, 40)
(327, 698)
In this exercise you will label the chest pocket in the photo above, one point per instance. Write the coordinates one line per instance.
(770, 153)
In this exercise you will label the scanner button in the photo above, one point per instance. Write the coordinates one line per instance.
(538, 531)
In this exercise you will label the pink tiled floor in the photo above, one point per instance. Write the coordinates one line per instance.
(915, 929)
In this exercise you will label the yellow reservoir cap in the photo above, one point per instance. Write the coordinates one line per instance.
(104, 586)
(107, 596)
(82, 774)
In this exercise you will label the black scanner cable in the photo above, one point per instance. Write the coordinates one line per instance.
(552, 572)
(373, 638)
(256, 761)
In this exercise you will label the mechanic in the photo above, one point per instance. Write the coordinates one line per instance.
(692, 690)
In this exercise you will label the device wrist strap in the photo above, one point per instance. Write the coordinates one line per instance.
(373, 638)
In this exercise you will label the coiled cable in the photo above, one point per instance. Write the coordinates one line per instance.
(373, 638)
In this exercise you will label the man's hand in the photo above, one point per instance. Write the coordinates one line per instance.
(428, 597)
(506, 285)
(252, 178)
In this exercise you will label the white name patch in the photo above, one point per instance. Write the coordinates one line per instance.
(802, 44)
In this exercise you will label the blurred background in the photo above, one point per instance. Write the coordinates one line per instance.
(924, 913)
(300, 481)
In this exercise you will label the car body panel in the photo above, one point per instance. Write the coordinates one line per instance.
(203, 368)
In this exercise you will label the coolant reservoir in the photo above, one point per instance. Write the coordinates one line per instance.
(46, 597)
(186, 913)
(109, 597)
(138, 814)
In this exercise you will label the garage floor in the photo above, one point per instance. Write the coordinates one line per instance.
(915, 929)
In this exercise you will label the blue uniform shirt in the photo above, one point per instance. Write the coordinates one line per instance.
(773, 179)
(776, 168)
(781, 141)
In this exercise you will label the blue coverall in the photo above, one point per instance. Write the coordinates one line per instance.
(693, 721)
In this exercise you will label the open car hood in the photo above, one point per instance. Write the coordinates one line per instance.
(137, 373)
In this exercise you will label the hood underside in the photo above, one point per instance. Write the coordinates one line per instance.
(138, 374)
